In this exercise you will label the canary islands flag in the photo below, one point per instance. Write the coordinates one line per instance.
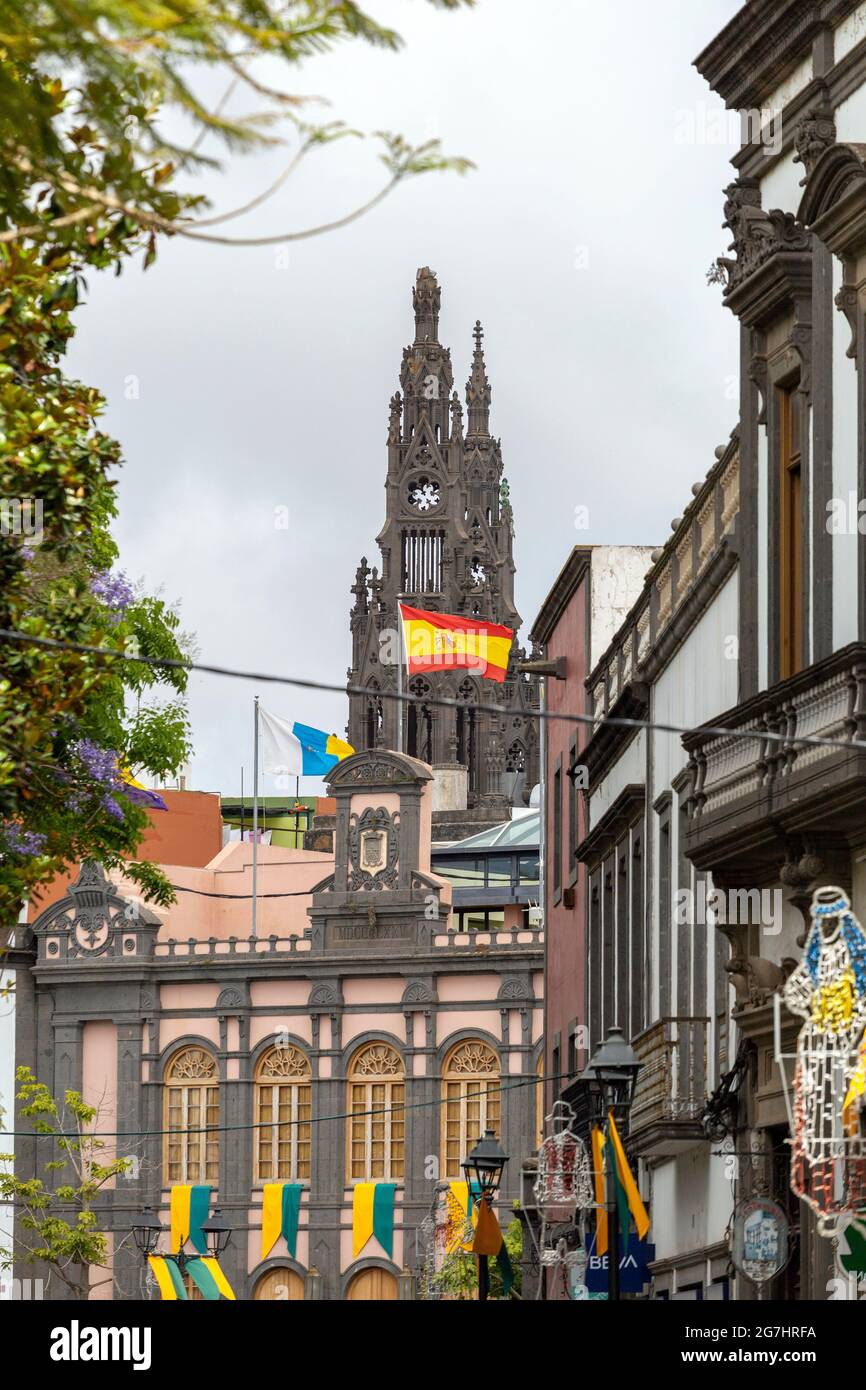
(298, 750)
(445, 642)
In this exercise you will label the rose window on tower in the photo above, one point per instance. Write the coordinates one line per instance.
(424, 494)
(477, 572)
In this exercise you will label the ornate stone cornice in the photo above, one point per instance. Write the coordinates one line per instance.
(763, 44)
(378, 767)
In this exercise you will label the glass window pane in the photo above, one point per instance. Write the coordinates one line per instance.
(499, 871)
(529, 868)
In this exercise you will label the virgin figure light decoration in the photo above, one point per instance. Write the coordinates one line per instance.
(828, 990)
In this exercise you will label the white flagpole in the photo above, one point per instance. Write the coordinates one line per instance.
(255, 805)
(400, 659)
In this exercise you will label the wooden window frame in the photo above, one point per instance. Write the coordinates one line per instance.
(462, 1090)
(298, 1134)
(791, 548)
(177, 1095)
(376, 1092)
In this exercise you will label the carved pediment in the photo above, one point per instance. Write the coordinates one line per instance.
(837, 176)
(93, 917)
(378, 767)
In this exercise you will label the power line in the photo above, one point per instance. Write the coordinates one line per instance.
(269, 1124)
(434, 701)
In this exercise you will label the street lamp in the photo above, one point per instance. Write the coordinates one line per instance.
(217, 1232)
(610, 1077)
(148, 1229)
(146, 1232)
(483, 1166)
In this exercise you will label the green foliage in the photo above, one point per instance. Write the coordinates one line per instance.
(88, 180)
(458, 1277)
(58, 1217)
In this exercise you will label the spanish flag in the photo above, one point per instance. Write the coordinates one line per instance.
(445, 642)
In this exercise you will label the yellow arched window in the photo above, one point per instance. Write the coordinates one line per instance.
(470, 1095)
(376, 1122)
(283, 1108)
(192, 1113)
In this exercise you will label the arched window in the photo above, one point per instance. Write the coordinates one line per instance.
(376, 1124)
(375, 715)
(282, 1114)
(470, 1095)
(192, 1113)
(420, 722)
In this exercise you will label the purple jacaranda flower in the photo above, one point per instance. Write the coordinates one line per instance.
(26, 842)
(100, 763)
(114, 590)
(113, 808)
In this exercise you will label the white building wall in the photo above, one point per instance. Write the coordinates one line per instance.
(844, 474)
(618, 574)
(698, 684)
(631, 767)
(849, 32)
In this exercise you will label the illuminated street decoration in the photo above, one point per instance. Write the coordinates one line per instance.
(828, 990)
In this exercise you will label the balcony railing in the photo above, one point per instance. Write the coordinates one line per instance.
(672, 1083)
(827, 700)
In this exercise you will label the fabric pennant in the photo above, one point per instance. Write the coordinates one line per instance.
(204, 1279)
(290, 1212)
(180, 1196)
(383, 1215)
(168, 1278)
(362, 1215)
(503, 1260)
(620, 1194)
(272, 1216)
(636, 1206)
(213, 1269)
(599, 1184)
(199, 1206)
(488, 1233)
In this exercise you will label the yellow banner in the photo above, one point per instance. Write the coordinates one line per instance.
(362, 1215)
(598, 1180)
(635, 1205)
(272, 1216)
(167, 1291)
(180, 1200)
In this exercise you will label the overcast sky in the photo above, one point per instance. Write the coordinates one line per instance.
(581, 241)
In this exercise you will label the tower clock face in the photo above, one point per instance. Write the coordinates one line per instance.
(424, 494)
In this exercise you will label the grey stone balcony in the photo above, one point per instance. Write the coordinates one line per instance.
(671, 1086)
(753, 802)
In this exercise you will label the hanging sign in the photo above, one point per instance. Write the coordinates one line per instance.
(633, 1266)
(760, 1248)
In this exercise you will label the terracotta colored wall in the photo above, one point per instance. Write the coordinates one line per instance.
(189, 833)
(564, 927)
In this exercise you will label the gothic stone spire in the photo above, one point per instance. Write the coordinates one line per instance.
(426, 298)
(478, 390)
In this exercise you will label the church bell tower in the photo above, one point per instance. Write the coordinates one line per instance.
(447, 546)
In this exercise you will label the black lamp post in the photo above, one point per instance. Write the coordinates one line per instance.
(483, 1167)
(610, 1078)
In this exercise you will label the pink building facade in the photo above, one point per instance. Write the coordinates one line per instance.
(356, 1038)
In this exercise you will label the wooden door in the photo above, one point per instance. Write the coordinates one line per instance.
(373, 1284)
(281, 1285)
